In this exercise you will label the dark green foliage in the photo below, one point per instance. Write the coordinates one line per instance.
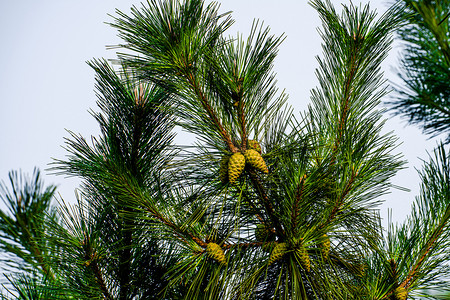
(98, 234)
(424, 97)
(22, 225)
(415, 254)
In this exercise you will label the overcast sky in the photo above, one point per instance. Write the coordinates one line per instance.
(46, 87)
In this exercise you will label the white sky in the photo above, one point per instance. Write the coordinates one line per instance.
(46, 86)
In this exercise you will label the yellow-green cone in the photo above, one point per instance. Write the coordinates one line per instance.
(223, 169)
(303, 257)
(400, 293)
(268, 246)
(236, 165)
(326, 245)
(254, 159)
(252, 144)
(278, 251)
(214, 251)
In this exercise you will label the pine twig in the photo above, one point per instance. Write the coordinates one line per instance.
(428, 247)
(265, 201)
(297, 201)
(209, 110)
(340, 202)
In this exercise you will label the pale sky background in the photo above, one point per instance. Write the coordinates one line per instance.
(46, 86)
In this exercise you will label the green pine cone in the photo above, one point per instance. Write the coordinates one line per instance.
(223, 169)
(278, 251)
(215, 252)
(253, 144)
(326, 246)
(236, 165)
(268, 246)
(303, 257)
(400, 293)
(253, 158)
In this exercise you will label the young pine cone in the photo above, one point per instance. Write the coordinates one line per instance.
(326, 245)
(253, 144)
(215, 252)
(268, 246)
(223, 169)
(254, 159)
(303, 257)
(400, 293)
(236, 165)
(278, 251)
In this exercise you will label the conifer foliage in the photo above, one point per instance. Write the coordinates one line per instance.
(423, 98)
(265, 205)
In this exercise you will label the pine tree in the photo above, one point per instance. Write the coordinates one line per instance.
(265, 204)
(423, 97)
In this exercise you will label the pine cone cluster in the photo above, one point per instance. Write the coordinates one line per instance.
(215, 252)
(231, 167)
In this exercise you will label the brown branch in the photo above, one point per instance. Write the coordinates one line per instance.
(37, 254)
(180, 234)
(265, 201)
(353, 67)
(243, 245)
(30, 238)
(338, 205)
(100, 280)
(209, 110)
(91, 257)
(253, 206)
(347, 93)
(168, 223)
(198, 241)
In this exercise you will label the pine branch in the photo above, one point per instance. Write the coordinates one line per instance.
(242, 119)
(23, 226)
(296, 206)
(431, 214)
(340, 201)
(266, 202)
(159, 221)
(100, 280)
(91, 258)
(352, 69)
(343, 114)
(424, 67)
(425, 251)
(211, 113)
